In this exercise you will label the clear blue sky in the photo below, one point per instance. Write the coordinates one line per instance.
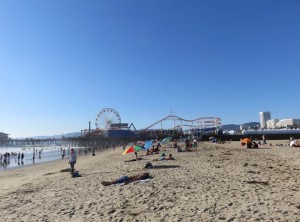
(63, 61)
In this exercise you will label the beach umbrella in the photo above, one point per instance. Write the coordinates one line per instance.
(132, 149)
(148, 144)
(166, 140)
(138, 148)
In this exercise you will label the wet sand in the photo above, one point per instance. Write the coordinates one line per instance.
(217, 182)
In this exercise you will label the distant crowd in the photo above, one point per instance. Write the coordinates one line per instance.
(7, 157)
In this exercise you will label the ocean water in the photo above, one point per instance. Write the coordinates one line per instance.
(48, 153)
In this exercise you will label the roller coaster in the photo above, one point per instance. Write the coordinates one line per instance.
(178, 123)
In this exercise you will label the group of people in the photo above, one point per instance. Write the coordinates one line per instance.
(190, 143)
(155, 149)
(125, 179)
(35, 151)
(164, 157)
(6, 158)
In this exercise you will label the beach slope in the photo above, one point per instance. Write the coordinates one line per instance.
(216, 182)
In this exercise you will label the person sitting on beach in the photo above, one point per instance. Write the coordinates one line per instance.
(170, 157)
(195, 144)
(254, 145)
(163, 157)
(152, 150)
(148, 152)
(158, 145)
(187, 143)
(179, 149)
(127, 179)
(156, 150)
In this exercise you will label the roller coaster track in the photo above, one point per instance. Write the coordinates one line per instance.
(204, 121)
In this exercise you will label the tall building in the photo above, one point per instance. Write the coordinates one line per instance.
(264, 117)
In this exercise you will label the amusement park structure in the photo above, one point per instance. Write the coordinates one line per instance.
(108, 124)
(181, 124)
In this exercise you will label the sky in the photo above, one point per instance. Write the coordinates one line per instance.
(61, 62)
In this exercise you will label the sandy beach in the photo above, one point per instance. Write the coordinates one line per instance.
(216, 182)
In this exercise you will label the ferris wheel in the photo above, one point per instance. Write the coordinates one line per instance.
(106, 117)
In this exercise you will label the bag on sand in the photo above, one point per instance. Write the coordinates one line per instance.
(148, 165)
(76, 174)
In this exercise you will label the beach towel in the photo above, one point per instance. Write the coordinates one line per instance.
(142, 181)
(137, 181)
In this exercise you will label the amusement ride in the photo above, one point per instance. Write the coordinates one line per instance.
(109, 120)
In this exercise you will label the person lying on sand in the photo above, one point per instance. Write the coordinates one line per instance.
(163, 157)
(134, 159)
(126, 179)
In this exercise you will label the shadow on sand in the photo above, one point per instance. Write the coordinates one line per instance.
(164, 166)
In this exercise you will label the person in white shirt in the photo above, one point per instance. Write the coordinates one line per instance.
(73, 159)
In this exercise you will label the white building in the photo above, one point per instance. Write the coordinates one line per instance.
(271, 124)
(286, 123)
(247, 126)
(264, 117)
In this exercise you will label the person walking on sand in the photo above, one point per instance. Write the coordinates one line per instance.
(63, 152)
(33, 156)
(264, 139)
(73, 159)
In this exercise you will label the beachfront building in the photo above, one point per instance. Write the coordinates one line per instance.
(288, 123)
(271, 124)
(264, 117)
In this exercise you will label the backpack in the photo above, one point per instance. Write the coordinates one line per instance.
(75, 174)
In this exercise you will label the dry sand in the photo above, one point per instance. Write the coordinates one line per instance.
(218, 182)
